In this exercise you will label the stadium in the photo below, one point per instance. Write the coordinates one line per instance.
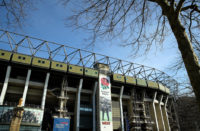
(91, 91)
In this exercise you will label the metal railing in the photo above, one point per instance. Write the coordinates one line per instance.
(53, 51)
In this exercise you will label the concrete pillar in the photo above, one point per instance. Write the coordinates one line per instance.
(165, 116)
(77, 108)
(94, 106)
(154, 112)
(121, 108)
(5, 85)
(45, 91)
(26, 87)
(163, 124)
(158, 117)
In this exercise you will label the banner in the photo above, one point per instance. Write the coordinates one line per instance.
(61, 124)
(105, 103)
(30, 115)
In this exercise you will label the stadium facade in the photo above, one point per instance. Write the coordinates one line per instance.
(107, 95)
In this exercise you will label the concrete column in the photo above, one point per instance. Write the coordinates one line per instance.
(165, 116)
(163, 124)
(94, 106)
(154, 111)
(45, 90)
(26, 87)
(5, 85)
(121, 108)
(77, 109)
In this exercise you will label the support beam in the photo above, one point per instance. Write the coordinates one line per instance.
(45, 91)
(94, 106)
(26, 87)
(165, 115)
(5, 85)
(121, 108)
(160, 108)
(77, 109)
(154, 110)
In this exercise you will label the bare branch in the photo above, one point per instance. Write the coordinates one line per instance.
(193, 7)
(178, 8)
(15, 11)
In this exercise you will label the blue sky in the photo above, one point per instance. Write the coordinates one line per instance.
(48, 22)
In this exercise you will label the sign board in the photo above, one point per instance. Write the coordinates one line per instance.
(30, 115)
(105, 103)
(61, 124)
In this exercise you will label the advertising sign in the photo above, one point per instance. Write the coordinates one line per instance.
(61, 124)
(105, 103)
(30, 115)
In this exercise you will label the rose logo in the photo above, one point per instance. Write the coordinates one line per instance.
(105, 83)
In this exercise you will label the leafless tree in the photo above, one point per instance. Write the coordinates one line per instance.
(178, 67)
(145, 23)
(14, 12)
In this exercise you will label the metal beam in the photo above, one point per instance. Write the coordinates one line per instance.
(77, 109)
(121, 108)
(116, 65)
(26, 87)
(45, 91)
(94, 106)
(5, 85)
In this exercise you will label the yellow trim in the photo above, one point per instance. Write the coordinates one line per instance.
(25, 59)
(59, 66)
(162, 87)
(41, 62)
(152, 84)
(130, 80)
(118, 77)
(167, 90)
(141, 82)
(75, 69)
(5, 55)
(91, 72)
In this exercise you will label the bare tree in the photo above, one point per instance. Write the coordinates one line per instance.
(145, 23)
(14, 12)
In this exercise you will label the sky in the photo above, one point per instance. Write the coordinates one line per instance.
(48, 20)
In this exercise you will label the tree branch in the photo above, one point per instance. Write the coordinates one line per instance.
(163, 4)
(172, 4)
(178, 8)
(193, 7)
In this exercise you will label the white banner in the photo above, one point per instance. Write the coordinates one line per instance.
(105, 103)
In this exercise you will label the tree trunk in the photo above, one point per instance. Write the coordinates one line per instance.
(188, 55)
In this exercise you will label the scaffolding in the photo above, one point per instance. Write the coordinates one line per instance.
(140, 120)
